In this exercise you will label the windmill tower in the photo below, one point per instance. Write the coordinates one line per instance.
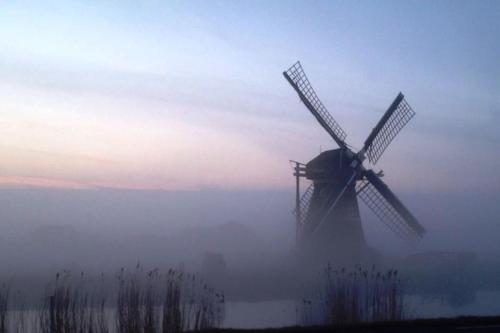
(328, 218)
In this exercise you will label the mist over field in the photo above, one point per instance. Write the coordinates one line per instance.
(51, 229)
(106, 229)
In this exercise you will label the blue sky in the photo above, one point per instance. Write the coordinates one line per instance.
(189, 94)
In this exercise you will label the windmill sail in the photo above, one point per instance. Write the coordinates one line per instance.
(391, 123)
(387, 207)
(304, 202)
(298, 79)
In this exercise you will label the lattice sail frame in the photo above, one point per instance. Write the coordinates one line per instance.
(385, 211)
(394, 124)
(301, 83)
(305, 200)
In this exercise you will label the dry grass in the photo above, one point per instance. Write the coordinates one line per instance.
(175, 302)
(70, 306)
(354, 296)
(4, 300)
(133, 302)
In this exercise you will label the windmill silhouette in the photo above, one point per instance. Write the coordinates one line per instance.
(328, 217)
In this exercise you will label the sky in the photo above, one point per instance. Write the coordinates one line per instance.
(189, 95)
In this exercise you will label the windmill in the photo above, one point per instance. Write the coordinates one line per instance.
(328, 213)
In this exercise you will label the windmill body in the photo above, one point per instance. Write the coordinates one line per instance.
(328, 218)
(342, 231)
